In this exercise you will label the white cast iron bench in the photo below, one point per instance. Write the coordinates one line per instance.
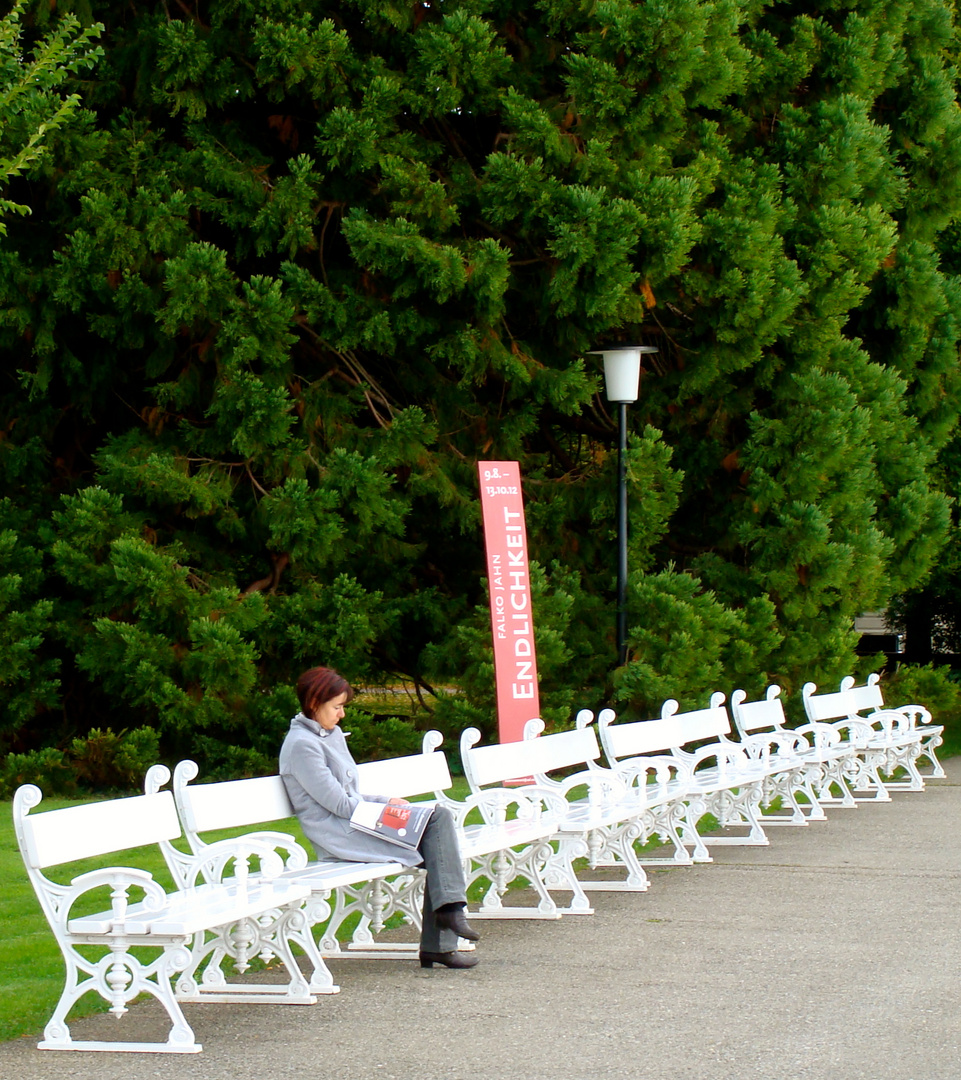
(869, 703)
(602, 825)
(374, 892)
(188, 928)
(884, 741)
(504, 833)
(337, 889)
(797, 763)
(721, 778)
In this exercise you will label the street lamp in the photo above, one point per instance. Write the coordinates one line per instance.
(622, 373)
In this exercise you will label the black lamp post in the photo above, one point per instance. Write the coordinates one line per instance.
(622, 373)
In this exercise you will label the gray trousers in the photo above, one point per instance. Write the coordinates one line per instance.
(445, 879)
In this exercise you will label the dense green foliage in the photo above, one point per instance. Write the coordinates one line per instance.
(296, 267)
(31, 105)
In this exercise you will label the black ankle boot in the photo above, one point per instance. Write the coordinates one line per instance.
(453, 918)
(448, 959)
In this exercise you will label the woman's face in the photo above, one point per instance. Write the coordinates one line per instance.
(330, 714)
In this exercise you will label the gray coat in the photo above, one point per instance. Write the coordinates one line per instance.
(321, 781)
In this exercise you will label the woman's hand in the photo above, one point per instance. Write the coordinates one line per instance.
(398, 802)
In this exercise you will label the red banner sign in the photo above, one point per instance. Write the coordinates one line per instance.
(508, 576)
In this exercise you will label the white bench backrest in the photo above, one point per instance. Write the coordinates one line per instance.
(638, 737)
(258, 801)
(848, 701)
(233, 803)
(417, 774)
(823, 707)
(497, 762)
(80, 832)
(864, 697)
(764, 715)
(672, 731)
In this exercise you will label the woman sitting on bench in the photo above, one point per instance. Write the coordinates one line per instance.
(321, 781)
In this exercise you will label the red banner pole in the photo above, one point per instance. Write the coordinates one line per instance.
(509, 584)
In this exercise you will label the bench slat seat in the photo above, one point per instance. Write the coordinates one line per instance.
(191, 912)
(338, 889)
(480, 840)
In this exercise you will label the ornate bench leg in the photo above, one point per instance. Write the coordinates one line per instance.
(693, 812)
(870, 777)
(785, 786)
(928, 746)
(119, 977)
(500, 868)
(666, 821)
(836, 773)
(559, 873)
(614, 846)
(808, 780)
(241, 941)
(379, 900)
(903, 757)
(298, 932)
(738, 808)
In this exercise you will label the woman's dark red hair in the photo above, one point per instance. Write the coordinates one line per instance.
(318, 686)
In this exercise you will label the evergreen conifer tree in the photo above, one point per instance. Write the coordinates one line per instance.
(294, 268)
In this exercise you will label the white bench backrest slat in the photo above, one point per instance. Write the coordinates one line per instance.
(704, 724)
(498, 762)
(417, 774)
(827, 706)
(80, 832)
(639, 737)
(233, 803)
(850, 700)
(654, 736)
(864, 698)
(757, 715)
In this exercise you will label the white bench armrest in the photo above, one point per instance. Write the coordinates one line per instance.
(664, 766)
(859, 731)
(915, 714)
(215, 860)
(120, 879)
(494, 803)
(296, 856)
(725, 754)
(603, 785)
(825, 736)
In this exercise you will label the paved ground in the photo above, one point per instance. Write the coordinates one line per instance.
(833, 953)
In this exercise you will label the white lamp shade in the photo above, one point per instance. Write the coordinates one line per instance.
(622, 371)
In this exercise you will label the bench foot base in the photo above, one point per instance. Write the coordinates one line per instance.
(514, 913)
(614, 886)
(377, 950)
(735, 841)
(257, 994)
(124, 1047)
